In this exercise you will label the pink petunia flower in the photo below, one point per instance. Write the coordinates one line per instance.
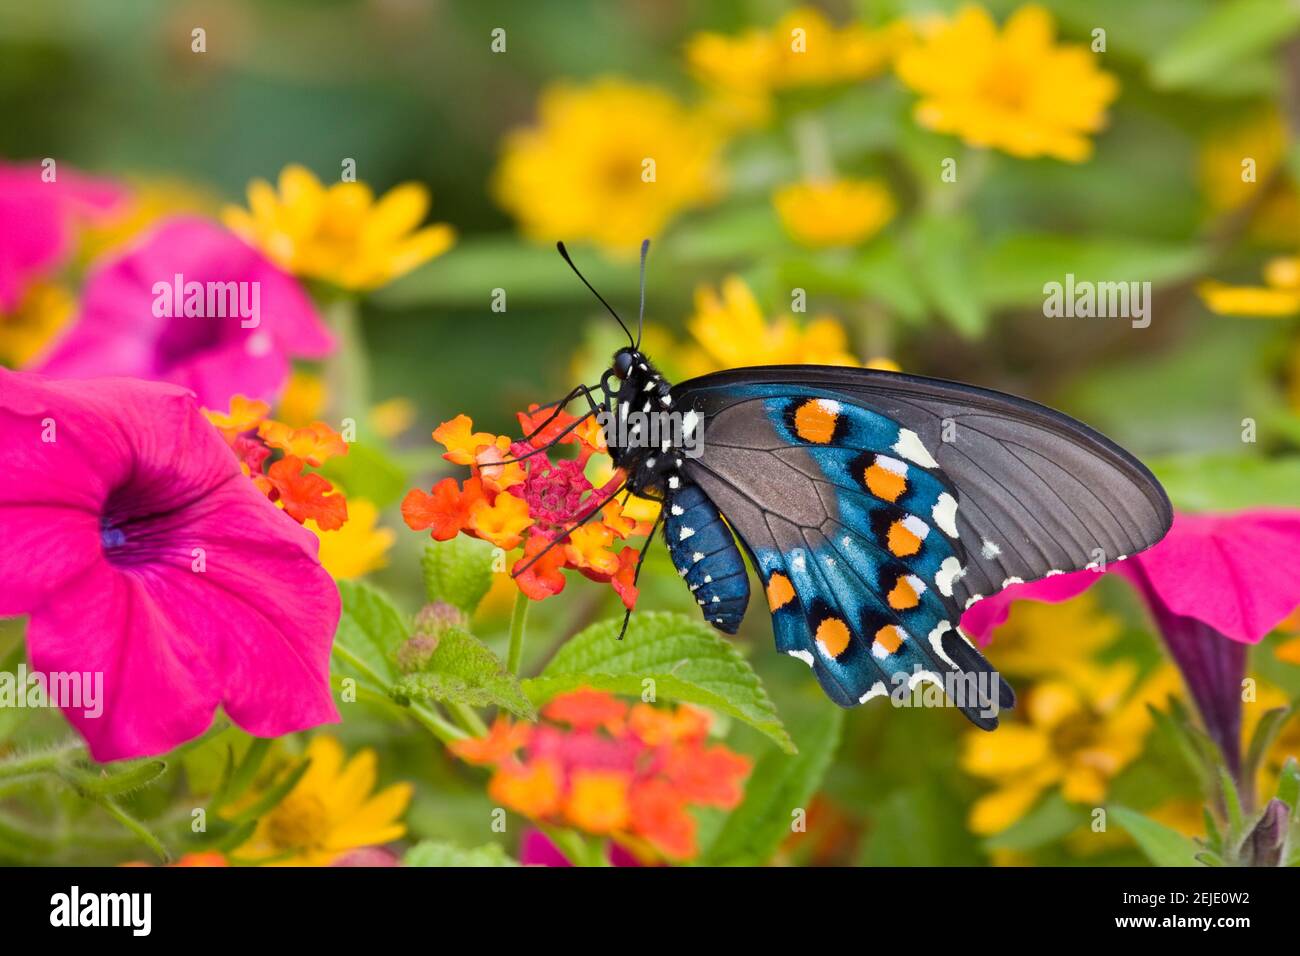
(1214, 584)
(142, 553)
(38, 219)
(194, 305)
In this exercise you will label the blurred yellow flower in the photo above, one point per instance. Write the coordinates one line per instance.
(612, 162)
(1279, 296)
(303, 401)
(1017, 91)
(39, 316)
(1075, 735)
(731, 331)
(329, 811)
(1242, 164)
(358, 547)
(150, 200)
(392, 417)
(841, 212)
(341, 233)
(803, 49)
(1054, 640)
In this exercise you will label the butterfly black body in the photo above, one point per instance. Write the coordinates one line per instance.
(874, 508)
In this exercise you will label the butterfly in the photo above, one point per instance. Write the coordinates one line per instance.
(874, 507)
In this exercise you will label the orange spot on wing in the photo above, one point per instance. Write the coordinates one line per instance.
(779, 592)
(903, 595)
(814, 422)
(901, 541)
(890, 638)
(884, 484)
(833, 636)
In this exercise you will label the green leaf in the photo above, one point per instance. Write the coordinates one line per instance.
(458, 572)
(272, 797)
(942, 248)
(1162, 845)
(1266, 731)
(370, 628)
(1233, 31)
(687, 660)
(1288, 786)
(1229, 482)
(916, 826)
(1232, 800)
(464, 671)
(367, 472)
(1013, 270)
(435, 853)
(779, 785)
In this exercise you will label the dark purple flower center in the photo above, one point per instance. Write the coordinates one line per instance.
(110, 537)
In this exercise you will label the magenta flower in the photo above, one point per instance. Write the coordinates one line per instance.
(38, 219)
(142, 553)
(194, 305)
(1214, 584)
(536, 849)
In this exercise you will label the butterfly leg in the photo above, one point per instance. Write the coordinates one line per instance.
(636, 575)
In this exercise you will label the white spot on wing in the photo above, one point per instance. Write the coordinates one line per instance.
(949, 573)
(909, 446)
(686, 533)
(892, 464)
(989, 550)
(805, 656)
(944, 513)
(936, 642)
(877, 690)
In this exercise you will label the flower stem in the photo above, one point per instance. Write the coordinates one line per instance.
(437, 725)
(347, 373)
(33, 763)
(813, 146)
(518, 618)
(468, 719)
(136, 827)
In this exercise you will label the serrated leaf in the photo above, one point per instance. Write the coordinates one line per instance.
(370, 628)
(435, 853)
(779, 784)
(464, 671)
(457, 572)
(1163, 845)
(688, 661)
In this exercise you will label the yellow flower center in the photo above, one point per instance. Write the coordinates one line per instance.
(1076, 732)
(620, 172)
(1006, 84)
(300, 822)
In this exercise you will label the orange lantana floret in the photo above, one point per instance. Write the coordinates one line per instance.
(445, 510)
(501, 743)
(537, 572)
(460, 439)
(588, 548)
(503, 522)
(711, 776)
(533, 789)
(660, 817)
(598, 801)
(315, 444)
(587, 709)
(656, 726)
(307, 495)
(245, 415)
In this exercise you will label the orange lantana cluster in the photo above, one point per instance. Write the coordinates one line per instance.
(254, 438)
(627, 773)
(518, 497)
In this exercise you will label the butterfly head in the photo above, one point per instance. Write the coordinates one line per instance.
(624, 361)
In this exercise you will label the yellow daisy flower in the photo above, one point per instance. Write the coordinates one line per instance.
(329, 812)
(841, 212)
(1017, 91)
(340, 234)
(732, 332)
(358, 547)
(1075, 735)
(39, 316)
(612, 162)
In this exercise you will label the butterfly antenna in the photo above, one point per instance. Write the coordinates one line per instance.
(640, 317)
(565, 253)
